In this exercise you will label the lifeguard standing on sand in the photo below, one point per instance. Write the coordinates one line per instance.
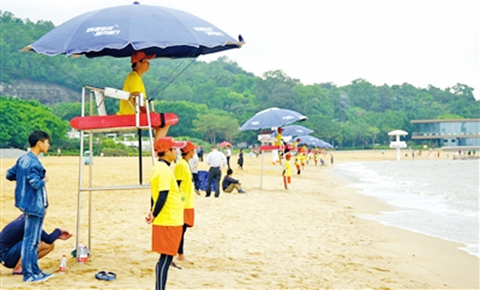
(287, 171)
(183, 174)
(167, 206)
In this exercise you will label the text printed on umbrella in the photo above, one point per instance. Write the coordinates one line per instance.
(103, 30)
(208, 31)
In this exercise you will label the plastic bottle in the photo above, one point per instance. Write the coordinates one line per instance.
(82, 254)
(63, 265)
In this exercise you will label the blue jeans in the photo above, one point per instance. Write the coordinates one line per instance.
(31, 240)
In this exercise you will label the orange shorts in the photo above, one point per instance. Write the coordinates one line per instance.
(287, 179)
(189, 216)
(166, 239)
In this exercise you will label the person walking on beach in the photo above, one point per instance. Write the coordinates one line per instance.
(298, 163)
(31, 199)
(229, 183)
(228, 154)
(240, 159)
(217, 161)
(193, 162)
(200, 154)
(287, 171)
(185, 183)
(11, 239)
(166, 210)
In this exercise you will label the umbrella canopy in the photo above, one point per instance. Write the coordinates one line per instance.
(295, 130)
(120, 31)
(313, 141)
(225, 144)
(273, 117)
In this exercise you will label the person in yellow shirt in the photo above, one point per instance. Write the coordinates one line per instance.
(184, 178)
(167, 207)
(303, 157)
(287, 171)
(134, 85)
(298, 162)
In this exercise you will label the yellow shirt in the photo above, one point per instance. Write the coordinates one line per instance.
(303, 157)
(297, 159)
(278, 139)
(133, 83)
(163, 179)
(288, 168)
(182, 172)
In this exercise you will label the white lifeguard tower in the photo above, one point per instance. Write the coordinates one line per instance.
(397, 143)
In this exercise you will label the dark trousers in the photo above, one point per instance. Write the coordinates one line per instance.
(180, 248)
(161, 271)
(228, 161)
(196, 181)
(214, 174)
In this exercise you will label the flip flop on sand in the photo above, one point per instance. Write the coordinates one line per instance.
(106, 276)
(176, 266)
(17, 273)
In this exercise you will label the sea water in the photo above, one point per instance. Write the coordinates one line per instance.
(439, 198)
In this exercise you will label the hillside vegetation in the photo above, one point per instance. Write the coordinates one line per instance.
(213, 99)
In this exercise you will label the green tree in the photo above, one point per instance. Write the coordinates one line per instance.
(19, 118)
(216, 125)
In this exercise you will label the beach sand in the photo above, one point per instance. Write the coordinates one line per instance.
(307, 237)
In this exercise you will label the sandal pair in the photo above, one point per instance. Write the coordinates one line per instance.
(106, 276)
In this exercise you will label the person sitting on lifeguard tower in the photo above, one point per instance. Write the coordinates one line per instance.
(134, 85)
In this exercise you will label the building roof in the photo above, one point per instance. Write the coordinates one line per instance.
(445, 121)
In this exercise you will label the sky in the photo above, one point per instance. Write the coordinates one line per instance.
(420, 42)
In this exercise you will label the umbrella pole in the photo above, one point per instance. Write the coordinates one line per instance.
(261, 171)
(140, 155)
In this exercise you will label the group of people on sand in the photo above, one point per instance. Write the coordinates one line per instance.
(23, 242)
(302, 155)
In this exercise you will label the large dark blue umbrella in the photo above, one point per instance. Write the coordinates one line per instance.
(273, 117)
(120, 31)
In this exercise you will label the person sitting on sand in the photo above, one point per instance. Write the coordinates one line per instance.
(229, 183)
(11, 239)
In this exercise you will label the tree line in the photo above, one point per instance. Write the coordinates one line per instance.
(213, 99)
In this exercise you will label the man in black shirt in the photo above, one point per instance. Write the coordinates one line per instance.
(229, 183)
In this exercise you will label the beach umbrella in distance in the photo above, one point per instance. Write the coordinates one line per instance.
(225, 144)
(295, 130)
(308, 140)
(325, 144)
(313, 141)
(272, 117)
(121, 30)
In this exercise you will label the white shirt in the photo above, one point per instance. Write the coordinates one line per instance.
(193, 162)
(216, 159)
(228, 152)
